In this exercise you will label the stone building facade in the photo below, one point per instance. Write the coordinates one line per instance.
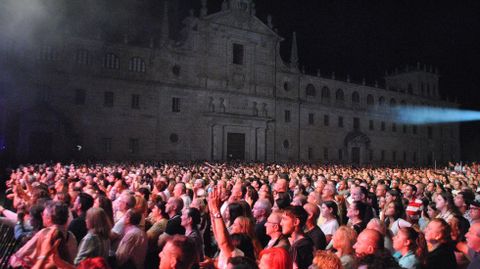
(223, 92)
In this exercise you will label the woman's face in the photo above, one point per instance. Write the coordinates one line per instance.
(236, 226)
(390, 211)
(381, 202)
(352, 211)
(388, 197)
(399, 240)
(326, 211)
(440, 203)
(431, 212)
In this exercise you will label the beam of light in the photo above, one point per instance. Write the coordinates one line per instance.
(428, 115)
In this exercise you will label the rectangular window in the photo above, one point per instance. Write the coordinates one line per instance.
(310, 153)
(394, 127)
(340, 155)
(175, 104)
(108, 99)
(133, 145)
(356, 124)
(370, 125)
(310, 118)
(80, 96)
(326, 120)
(325, 154)
(135, 101)
(287, 116)
(107, 144)
(238, 54)
(340, 122)
(430, 132)
(382, 126)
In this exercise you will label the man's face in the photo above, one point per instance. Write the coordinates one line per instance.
(178, 190)
(46, 218)
(169, 207)
(288, 224)
(185, 220)
(380, 191)
(363, 246)
(357, 194)
(473, 237)
(258, 211)
(272, 225)
(408, 192)
(474, 212)
(167, 256)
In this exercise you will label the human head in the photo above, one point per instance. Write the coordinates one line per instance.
(93, 263)
(329, 208)
(357, 209)
(463, 199)
(313, 212)
(242, 225)
(174, 206)
(444, 201)
(368, 242)
(179, 189)
(377, 225)
(328, 192)
(179, 252)
(381, 190)
(261, 209)
(55, 213)
(83, 202)
(191, 217)
(272, 226)
(277, 258)
(240, 262)
(475, 211)
(410, 191)
(407, 238)
(98, 222)
(133, 217)
(358, 194)
(473, 237)
(126, 201)
(394, 209)
(293, 219)
(344, 239)
(437, 232)
(325, 260)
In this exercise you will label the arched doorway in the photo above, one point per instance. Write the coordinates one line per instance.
(357, 145)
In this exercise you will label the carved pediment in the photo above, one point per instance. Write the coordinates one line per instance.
(243, 21)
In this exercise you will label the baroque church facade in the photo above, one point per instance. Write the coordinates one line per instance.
(221, 93)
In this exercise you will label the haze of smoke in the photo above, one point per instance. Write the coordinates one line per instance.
(429, 115)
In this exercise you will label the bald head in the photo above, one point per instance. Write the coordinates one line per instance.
(368, 242)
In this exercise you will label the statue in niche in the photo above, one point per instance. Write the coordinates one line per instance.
(264, 110)
(255, 109)
(222, 105)
(211, 105)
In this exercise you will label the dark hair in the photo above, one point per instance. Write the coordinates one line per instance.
(36, 217)
(468, 197)
(106, 205)
(86, 201)
(194, 213)
(297, 212)
(244, 243)
(145, 192)
(418, 244)
(134, 216)
(241, 262)
(283, 200)
(161, 206)
(187, 254)
(235, 210)
(58, 212)
(334, 207)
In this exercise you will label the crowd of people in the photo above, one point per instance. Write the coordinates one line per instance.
(243, 215)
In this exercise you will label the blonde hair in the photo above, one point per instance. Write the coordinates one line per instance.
(325, 260)
(247, 227)
(98, 222)
(346, 238)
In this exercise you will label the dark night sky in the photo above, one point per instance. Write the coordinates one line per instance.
(364, 38)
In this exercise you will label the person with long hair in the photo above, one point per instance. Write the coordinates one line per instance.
(411, 248)
(394, 213)
(446, 206)
(244, 225)
(356, 214)
(275, 258)
(330, 214)
(96, 242)
(105, 203)
(343, 241)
